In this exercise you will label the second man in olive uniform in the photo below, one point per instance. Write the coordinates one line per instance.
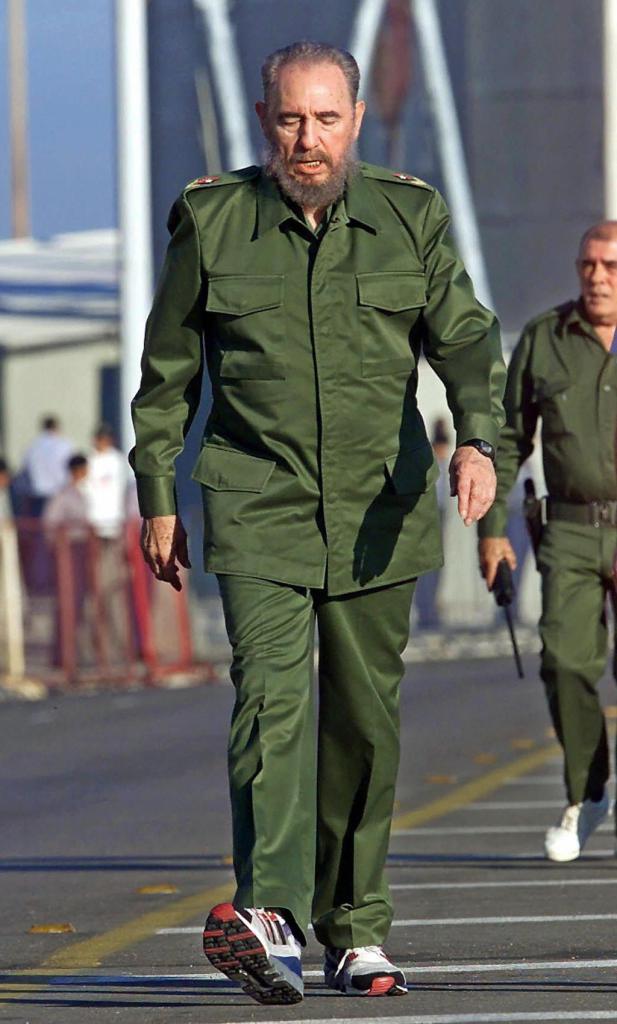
(564, 370)
(315, 282)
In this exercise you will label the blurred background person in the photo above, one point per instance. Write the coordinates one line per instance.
(69, 508)
(106, 492)
(66, 526)
(106, 488)
(45, 465)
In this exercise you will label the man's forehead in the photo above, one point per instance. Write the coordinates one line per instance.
(323, 81)
(599, 249)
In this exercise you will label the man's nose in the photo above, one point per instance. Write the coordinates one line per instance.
(308, 134)
(597, 272)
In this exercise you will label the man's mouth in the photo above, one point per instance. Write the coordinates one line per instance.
(309, 166)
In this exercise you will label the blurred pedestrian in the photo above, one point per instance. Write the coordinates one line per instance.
(69, 509)
(106, 491)
(107, 485)
(45, 464)
(316, 281)
(66, 524)
(564, 370)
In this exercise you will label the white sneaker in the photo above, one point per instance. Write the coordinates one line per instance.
(257, 949)
(565, 840)
(363, 971)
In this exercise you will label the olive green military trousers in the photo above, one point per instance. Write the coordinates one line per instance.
(576, 564)
(312, 774)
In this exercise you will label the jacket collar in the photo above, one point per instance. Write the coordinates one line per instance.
(360, 203)
(575, 319)
(272, 209)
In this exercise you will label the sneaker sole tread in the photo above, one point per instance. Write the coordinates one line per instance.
(242, 958)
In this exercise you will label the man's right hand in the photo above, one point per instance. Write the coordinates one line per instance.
(491, 550)
(164, 545)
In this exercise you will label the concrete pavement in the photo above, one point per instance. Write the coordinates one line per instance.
(115, 822)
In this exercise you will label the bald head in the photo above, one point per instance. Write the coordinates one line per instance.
(603, 231)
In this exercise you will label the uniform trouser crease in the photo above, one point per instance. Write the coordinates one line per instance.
(305, 832)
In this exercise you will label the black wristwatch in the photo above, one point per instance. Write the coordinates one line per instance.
(481, 446)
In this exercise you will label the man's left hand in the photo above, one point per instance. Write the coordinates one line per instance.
(473, 481)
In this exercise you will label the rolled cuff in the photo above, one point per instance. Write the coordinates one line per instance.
(494, 523)
(478, 425)
(156, 496)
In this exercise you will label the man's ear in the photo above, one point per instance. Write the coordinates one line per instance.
(359, 114)
(260, 110)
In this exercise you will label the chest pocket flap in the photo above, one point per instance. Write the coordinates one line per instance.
(225, 469)
(392, 291)
(244, 293)
(548, 388)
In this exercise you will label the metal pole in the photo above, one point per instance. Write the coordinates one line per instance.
(10, 589)
(454, 166)
(18, 94)
(610, 108)
(133, 195)
(227, 75)
(364, 37)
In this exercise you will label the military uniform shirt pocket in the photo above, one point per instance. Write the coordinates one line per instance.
(389, 303)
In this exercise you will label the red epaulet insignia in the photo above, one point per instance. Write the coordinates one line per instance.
(207, 181)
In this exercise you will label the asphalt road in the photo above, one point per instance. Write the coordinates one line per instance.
(108, 798)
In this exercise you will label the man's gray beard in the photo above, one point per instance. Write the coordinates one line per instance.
(311, 196)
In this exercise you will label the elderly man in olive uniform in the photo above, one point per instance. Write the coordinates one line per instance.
(564, 370)
(315, 282)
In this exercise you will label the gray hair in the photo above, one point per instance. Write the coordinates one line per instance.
(306, 52)
(604, 231)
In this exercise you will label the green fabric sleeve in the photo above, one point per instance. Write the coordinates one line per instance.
(461, 341)
(516, 437)
(171, 367)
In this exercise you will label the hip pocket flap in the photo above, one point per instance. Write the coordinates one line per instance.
(225, 469)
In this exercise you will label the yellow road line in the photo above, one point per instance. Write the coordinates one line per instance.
(92, 952)
(470, 791)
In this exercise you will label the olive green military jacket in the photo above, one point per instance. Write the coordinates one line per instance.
(315, 467)
(561, 372)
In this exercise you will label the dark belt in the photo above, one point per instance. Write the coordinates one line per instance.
(593, 513)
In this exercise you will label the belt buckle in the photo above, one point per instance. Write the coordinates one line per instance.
(603, 513)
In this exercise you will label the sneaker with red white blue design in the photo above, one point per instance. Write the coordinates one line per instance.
(363, 971)
(257, 949)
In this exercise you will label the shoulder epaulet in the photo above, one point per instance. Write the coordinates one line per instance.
(229, 178)
(400, 177)
(554, 313)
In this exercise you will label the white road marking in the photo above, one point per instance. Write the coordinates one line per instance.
(499, 967)
(505, 885)
(400, 858)
(431, 922)
(472, 1018)
(485, 830)
(511, 805)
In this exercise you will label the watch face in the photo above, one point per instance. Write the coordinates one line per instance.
(484, 447)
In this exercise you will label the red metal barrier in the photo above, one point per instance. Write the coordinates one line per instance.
(95, 614)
